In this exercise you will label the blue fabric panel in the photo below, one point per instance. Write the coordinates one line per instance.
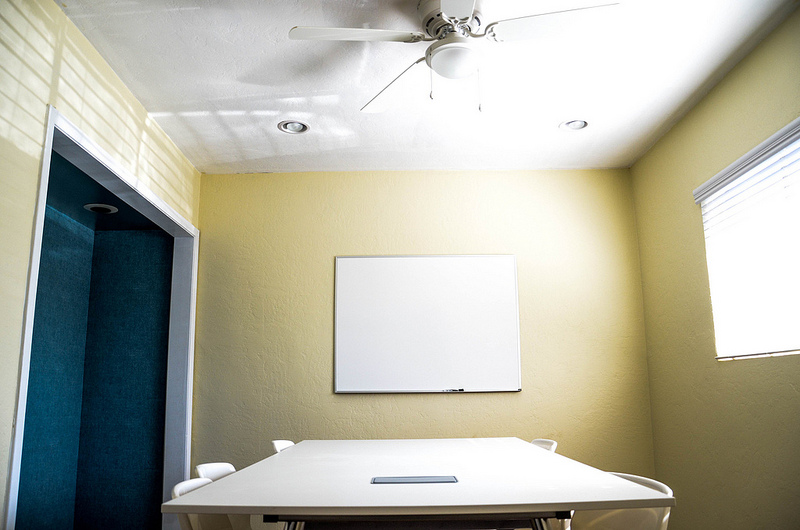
(120, 463)
(53, 415)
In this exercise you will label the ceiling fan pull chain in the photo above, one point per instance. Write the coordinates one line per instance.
(478, 89)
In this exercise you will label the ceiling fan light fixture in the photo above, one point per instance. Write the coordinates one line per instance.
(453, 57)
(292, 127)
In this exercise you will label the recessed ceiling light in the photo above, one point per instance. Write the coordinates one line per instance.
(293, 127)
(101, 208)
(574, 125)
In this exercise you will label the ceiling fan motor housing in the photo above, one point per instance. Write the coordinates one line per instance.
(430, 14)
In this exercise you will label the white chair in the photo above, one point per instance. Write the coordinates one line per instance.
(626, 519)
(214, 470)
(544, 443)
(182, 488)
(280, 445)
(550, 445)
(194, 521)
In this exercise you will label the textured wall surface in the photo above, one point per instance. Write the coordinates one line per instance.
(726, 434)
(45, 60)
(264, 360)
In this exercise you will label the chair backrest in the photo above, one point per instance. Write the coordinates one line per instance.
(214, 470)
(280, 445)
(549, 445)
(192, 521)
(626, 519)
(644, 481)
(182, 488)
(544, 443)
(188, 521)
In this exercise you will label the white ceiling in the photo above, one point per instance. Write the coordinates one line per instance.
(219, 75)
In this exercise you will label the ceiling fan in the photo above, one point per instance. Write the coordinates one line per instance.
(453, 27)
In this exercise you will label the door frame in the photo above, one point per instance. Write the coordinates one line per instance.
(63, 137)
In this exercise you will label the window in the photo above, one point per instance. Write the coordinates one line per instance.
(751, 221)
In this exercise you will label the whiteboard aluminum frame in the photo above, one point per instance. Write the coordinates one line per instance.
(337, 371)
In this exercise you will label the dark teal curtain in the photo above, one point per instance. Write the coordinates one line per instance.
(55, 384)
(121, 457)
(94, 426)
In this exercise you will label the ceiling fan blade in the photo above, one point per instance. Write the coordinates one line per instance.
(371, 106)
(458, 9)
(354, 34)
(524, 27)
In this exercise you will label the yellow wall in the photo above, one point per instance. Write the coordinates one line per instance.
(45, 60)
(264, 359)
(727, 435)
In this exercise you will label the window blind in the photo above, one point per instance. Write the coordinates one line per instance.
(751, 221)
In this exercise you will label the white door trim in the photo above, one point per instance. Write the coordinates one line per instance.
(66, 139)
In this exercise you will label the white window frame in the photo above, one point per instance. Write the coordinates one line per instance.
(776, 143)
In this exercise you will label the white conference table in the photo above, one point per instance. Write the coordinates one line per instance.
(500, 483)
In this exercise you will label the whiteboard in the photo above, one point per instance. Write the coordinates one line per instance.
(426, 324)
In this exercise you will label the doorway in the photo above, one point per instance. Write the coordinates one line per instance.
(103, 416)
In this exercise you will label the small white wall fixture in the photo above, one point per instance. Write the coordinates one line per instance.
(67, 140)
